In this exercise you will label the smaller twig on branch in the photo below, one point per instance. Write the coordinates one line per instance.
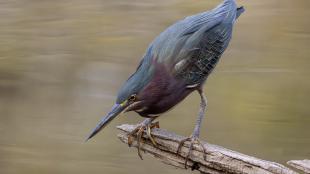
(303, 165)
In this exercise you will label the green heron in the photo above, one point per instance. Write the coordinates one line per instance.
(175, 64)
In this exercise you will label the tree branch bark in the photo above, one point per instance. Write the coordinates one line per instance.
(219, 160)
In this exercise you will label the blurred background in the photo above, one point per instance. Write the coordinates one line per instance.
(62, 62)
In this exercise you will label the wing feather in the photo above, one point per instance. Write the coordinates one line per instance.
(184, 40)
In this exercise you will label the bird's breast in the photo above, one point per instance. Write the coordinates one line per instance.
(162, 93)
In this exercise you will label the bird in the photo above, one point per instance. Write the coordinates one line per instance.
(175, 64)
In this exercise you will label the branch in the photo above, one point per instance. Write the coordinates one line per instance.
(219, 160)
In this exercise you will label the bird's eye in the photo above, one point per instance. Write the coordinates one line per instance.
(132, 97)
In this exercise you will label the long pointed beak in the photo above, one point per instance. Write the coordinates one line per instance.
(116, 110)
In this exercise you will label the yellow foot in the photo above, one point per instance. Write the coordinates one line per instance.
(193, 140)
(139, 131)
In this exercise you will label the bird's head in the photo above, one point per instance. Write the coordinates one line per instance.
(124, 100)
(127, 95)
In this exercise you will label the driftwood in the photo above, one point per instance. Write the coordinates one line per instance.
(218, 159)
(303, 165)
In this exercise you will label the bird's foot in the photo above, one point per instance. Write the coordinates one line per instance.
(139, 131)
(193, 140)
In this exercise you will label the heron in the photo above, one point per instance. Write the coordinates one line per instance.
(176, 63)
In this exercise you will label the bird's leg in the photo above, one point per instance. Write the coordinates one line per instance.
(146, 125)
(194, 138)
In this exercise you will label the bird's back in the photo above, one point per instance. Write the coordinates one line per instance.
(191, 47)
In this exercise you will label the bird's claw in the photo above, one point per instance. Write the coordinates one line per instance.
(193, 140)
(138, 132)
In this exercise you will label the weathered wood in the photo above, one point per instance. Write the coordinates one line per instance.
(219, 160)
(303, 165)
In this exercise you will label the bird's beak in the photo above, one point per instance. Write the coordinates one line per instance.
(116, 110)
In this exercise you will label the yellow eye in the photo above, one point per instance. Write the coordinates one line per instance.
(132, 97)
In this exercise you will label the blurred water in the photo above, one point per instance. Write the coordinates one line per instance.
(62, 62)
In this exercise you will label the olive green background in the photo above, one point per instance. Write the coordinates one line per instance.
(62, 62)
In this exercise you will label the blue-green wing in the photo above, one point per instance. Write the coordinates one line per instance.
(200, 38)
(201, 60)
(204, 45)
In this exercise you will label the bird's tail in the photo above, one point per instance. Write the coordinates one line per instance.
(230, 5)
(240, 10)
